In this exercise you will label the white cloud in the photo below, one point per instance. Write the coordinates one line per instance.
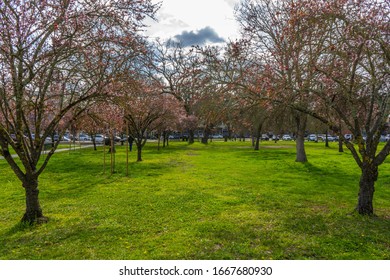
(178, 16)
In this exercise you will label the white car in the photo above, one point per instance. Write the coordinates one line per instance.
(286, 137)
(84, 137)
(99, 138)
(348, 137)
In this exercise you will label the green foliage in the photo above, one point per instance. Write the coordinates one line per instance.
(220, 201)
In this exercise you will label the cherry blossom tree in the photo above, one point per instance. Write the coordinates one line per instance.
(265, 23)
(171, 120)
(330, 60)
(352, 80)
(55, 57)
(239, 77)
(180, 72)
(144, 106)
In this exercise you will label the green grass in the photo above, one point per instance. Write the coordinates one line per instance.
(220, 201)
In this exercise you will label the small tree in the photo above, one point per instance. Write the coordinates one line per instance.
(143, 105)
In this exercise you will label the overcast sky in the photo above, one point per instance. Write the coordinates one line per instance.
(195, 22)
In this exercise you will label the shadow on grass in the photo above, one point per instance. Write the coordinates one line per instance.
(18, 227)
(352, 236)
(77, 175)
(22, 227)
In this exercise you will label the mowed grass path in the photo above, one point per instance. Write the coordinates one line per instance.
(220, 201)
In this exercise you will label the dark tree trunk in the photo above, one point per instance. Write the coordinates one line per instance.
(341, 149)
(229, 134)
(326, 139)
(257, 144)
(206, 135)
(94, 143)
(33, 212)
(191, 138)
(258, 136)
(367, 189)
(301, 121)
(164, 138)
(139, 152)
(158, 141)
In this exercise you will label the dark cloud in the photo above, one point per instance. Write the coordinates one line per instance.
(199, 37)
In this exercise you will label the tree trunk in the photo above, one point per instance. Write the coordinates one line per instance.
(300, 147)
(191, 138)
(33, 212)
(258, 136)
(300, 141)
(257, 144)
(367, 189)
(139, 152)
(94, 143)
(206, 135)
(158, 141)
(326, 139)
(164, 138)
(341, 149)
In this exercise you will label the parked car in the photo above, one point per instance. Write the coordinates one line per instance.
(174, 136)
(322, 137)
(348, 137)
(286, 137)
(84, 137)
(217, 136)
(384, 138)
(312, 137)
(99, 138)
(67, 136)
(264, 137)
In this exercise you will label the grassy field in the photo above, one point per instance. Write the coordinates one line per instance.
(220, 201)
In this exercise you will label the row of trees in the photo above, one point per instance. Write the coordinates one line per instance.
(75, 63)
(329, 60)
(57, 59)
(84, 62)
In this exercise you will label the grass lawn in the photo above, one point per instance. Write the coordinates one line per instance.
(220, 201)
